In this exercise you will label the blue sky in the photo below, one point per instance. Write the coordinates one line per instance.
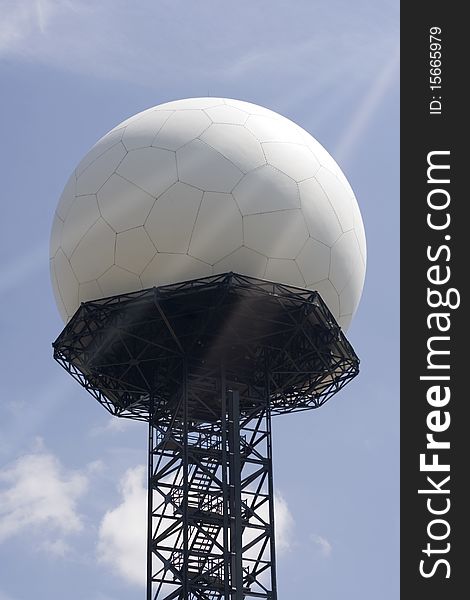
(71, 70)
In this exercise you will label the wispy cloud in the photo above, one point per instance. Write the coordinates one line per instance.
(323, 545)
(260, 48)
(58, 548)
(22, 19)
(367, 107)
(16, 19)
(112, 425)
(37, 494)
(44, 11)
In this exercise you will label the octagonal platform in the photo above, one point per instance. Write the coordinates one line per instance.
(133, 351)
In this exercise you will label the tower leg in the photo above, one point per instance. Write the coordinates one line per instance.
(235, 508)
(151, 447)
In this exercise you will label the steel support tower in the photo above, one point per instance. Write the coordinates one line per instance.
(207, 363)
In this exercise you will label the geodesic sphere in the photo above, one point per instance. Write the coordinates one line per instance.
(203, 186)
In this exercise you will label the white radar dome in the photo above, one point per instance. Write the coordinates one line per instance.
(202, 186)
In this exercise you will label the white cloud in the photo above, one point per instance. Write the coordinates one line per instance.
(36, 493)
(23, 18)
(123, 530)
(324, 546)
(284, 524)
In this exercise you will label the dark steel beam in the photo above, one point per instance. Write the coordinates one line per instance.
(235, 496)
